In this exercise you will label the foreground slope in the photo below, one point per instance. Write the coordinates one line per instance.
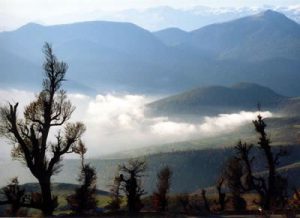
(192, 169)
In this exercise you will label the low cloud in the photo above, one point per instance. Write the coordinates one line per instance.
(117, 122)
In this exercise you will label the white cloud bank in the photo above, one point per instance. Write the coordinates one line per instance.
(118, 122)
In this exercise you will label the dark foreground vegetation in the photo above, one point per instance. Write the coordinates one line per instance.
(240, 189)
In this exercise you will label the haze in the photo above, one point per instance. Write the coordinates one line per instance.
(150, 14)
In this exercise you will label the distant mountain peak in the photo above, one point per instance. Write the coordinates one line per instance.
(247, 85)
(172, 36)
(31, 24)
(172, 29)
(271, 14)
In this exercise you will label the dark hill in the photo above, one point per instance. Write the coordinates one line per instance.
(218, 99)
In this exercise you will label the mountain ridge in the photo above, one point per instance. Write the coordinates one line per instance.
(105, 55)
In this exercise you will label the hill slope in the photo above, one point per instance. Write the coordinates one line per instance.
(212, 100)
(192, 169)
(266, 35)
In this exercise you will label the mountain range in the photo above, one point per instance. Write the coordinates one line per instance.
(104, 56)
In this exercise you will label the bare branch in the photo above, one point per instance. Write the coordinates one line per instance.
(73, 133)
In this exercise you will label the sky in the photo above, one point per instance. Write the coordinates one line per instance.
(66, 6)
(14, 13)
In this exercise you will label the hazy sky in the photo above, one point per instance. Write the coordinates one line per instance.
(65, 6)
(14, 13)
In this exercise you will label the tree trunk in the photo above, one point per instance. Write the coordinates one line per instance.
(206, 204)
(271, 179)
(47, 201)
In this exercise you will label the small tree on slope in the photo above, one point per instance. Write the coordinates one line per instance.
(84, 200)
(160, 198)
(130, 179)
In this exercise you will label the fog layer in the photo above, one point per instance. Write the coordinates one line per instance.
(117, 122)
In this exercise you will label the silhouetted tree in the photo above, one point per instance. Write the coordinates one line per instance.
(115, 202)
(160, 198)
(130, 179)
(294, 202)
(275, 190)
(14, 195)
(184, 201)
(233, 175)
(30, 134)
(84, 200)
(206, 204)
(250, 182)
(221, 194)
(271, 188)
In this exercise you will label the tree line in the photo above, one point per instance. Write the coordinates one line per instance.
(51, 108)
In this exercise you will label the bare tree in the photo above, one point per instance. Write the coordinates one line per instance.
(272, 187)
(84, 200)
(276, 184)
(30, 134)
(114, 203)
(205, 200)
(184, 201)
(160, 197)
(14, 195)
(130, 178)
(233, 175)
(221, 194)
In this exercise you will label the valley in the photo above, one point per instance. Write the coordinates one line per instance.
(212, 111)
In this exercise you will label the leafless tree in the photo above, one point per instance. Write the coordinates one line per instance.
(160, 198)
(30, 134)
(275, 190)
(205, 200)
(114, 203)
(221, 194)
(14, 195)
(271, 188)
(84, 201)
(233, 175)
(131, 183)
